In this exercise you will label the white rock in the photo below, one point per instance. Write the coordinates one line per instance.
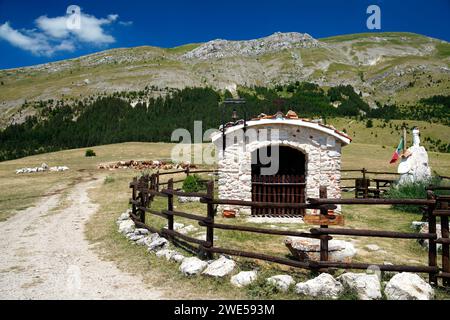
(322, 286)
(126, 226)
(177, 257)
(192, 266)
(141, 231)
(366, 285)
(166, 253)
(244, 278)
(187, 229)
(143, 241)
(282, 282)
(188, 199)
(157, 244)
(424, 242)
(135, 237)
(417, 225)
(202, 236)
(408, 286)
(309, 249)
(372, 247)
(220, 268)
(176, 226)
(124, 216)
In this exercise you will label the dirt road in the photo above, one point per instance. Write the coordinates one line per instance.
(44, 254)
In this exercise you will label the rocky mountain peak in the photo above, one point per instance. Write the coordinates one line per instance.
(276, 42)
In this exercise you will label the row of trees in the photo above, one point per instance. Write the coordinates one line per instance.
(112, 119)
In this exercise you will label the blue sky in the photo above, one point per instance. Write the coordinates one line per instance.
(31, 31)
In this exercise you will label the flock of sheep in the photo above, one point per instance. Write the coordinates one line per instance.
(44, 167)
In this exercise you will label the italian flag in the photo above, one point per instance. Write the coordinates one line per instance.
(397, 152)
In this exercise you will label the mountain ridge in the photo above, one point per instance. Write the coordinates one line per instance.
(385, 67)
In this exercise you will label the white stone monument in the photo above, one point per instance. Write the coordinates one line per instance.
(414, 165)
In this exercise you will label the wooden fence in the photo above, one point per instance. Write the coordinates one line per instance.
(146, 188)
(368, 183)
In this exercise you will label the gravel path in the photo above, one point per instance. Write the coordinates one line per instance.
(44, 255)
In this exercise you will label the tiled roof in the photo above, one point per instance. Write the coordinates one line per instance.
(290, 115)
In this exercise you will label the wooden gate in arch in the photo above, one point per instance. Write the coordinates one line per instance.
(286, 186)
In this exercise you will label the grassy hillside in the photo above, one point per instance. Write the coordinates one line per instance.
(385, 67)
(388, 134)
(21, 191)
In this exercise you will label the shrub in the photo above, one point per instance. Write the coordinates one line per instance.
(90, 153)
(109, 179)
(192, 183)
(417, 190)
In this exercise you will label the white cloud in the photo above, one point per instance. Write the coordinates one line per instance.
(112, 17)
(126, 23)
(53, 35)
(90, 30)
(31, 41)
(53, 27)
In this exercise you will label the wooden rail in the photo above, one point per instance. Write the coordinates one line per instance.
(145, 189)
(362, 182)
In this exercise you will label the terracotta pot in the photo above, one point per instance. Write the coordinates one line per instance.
(229, 214)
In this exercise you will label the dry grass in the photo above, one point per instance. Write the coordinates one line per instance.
(20, 191)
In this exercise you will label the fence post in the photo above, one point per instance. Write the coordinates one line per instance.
(366, 185)
(445, 246)
(133, 195)
(187, 171)
(152, 186)
(157, 181)
(210, 208)
(432, 248)
(170, 205)
(323, 238)
(144, 197)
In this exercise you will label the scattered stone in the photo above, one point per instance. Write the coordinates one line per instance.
(372, 247)
(417, 225)
(282, 282)
(322, 286)
(177, 257)
(220, 267)
(176, 226)
(188, 229)
(143, 241)
(192, 266)
(202, 236)
(309, 249)
(188, 199)
(135, 237)
(366, 285)
(243, 278)
(166, 253)
(157, 244)
(126, 226)
(408, 286)
(124, 216)
(424, 242)
(141, 231)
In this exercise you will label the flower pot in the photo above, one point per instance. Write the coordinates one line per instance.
(229, 214)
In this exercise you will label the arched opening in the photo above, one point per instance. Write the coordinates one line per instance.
(286, 185)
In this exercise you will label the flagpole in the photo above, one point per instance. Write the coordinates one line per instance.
(404, 141)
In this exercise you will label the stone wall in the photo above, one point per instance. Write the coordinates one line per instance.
(322, 153)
